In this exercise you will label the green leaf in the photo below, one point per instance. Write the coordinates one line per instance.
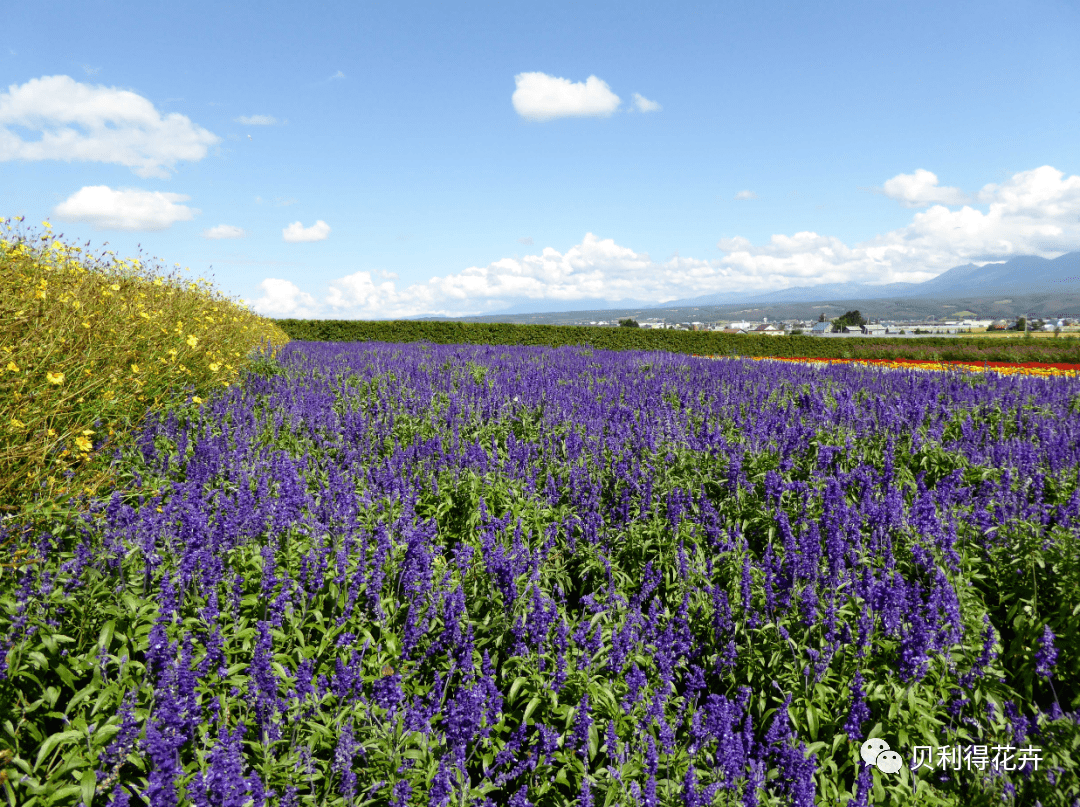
(105, 639)
(63, 738)
(82, 695)
(521, 679)
(88, 783)
(536, 701)
(64, 792)
(65, 675)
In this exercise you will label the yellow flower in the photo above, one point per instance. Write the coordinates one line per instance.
(13, 367)
(87, 432)
(83, 444)
(134, 368)
(17, 424)
(55, 378)
(115, 287)
(214, 367)
(192, 341)
(46, 225)
(196, 399)
(52, 432)
(86, 324)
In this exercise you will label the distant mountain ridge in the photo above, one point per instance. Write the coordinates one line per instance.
(1024, 273)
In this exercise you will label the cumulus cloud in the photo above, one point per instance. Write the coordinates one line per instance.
(281, 298)
(256, 120)
(542, 97)
(746, 195)
(295, 232)
(921, 189)
(119, 127)
(1035, 212)
(224, 231)
(643, 104)
(127, 209)
(526, 241)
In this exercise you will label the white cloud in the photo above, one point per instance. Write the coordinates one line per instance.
(746, 195)
(643, 104)
(127, 209)
(139, 136)
(224, 231)
(1035, 212)
(281, 298)
(256, 120)
(542, 97)
(921, 189)
(295, 232)
(526, 241)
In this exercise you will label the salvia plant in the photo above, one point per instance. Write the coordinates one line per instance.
(384, 574)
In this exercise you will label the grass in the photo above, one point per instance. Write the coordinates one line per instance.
(88, 348)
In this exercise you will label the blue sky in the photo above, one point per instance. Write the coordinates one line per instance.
(343, 160)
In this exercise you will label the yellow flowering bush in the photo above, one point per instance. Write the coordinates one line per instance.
(104, 321)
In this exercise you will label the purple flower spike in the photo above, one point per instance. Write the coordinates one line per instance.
(1046, 655)
(860, 712)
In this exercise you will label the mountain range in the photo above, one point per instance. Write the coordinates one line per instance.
(1019, 275)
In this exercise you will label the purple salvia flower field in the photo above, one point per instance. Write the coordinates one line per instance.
(384, 574)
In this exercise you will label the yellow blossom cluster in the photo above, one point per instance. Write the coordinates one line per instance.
(89, 347)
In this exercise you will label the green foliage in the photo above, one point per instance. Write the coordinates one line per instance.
(851, 319)
(628, 323)
(700, 343)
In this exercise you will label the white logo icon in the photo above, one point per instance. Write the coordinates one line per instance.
(876, 751)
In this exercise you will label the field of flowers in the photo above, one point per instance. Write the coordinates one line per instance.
(1042, 369)
(379, 574)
